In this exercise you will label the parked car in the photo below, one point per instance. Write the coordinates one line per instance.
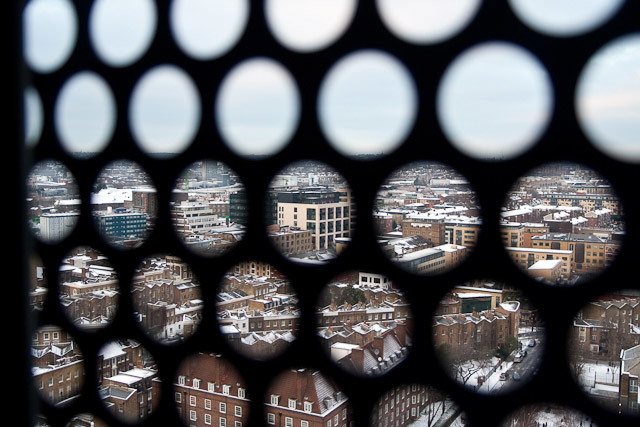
(516, 376)
(531, 343)
(523, 353)
(517, 358)
(504, 376)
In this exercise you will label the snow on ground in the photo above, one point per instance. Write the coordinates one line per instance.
(562, 417)
(436, 408)
(528, 330)
(490, 370)
(596, 374)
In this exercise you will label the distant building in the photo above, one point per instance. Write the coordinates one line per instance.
(424, 261)
(591, 253)
(462, 231)
(57, 226)
(324, 212)
(57, 365)
(477, 331)
(305, 397)
(291, 240)
(129, 394)
(512, 234)
(547, 270)
(374, 279)
(144, 200)
(239, 208)
(628, 396)
(527, 257)
(404, 405)
(606, 326)
(376, 356)
(120, 225)
(209, 392)
(429, 227)
(193, 217)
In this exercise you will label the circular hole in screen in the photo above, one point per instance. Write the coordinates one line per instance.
(126, 368)
(364, 323)
(164, 111)
(494, 101)
(124, 204)
(427, 217)
(257, 310)
(488, 337)
(285, 403)
(89, 289)
(258, 107)
(167, 299)
(602, 350)
(367, 104)
(85, 114)
(50, 29)
(422, 406)
(121, 31)
(426, 21)
(207, 204)
(206, 29)
(211, 385)
(56, 362)
(562, 223)
(608, 98)
(311, 25)
(565, 18)
(549, 414)
(310, 212)
(52, 200)
(33, 117)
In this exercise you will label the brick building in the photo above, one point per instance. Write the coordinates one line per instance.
(209, 391)
(57, 365)
(403, 405)
(306, 398)
(604, 327)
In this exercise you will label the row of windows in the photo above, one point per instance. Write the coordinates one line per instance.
(222, 406)
(222, 422)
(60, 379)
(226, 389)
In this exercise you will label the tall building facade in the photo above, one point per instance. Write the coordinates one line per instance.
(327, 214)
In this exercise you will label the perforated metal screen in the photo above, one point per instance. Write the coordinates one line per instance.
(563, 57)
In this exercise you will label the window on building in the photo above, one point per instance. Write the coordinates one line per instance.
(222, 408)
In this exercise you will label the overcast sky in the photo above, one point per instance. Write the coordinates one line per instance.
(494, 100)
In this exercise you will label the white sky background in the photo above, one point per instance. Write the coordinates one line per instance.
(50, 26)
